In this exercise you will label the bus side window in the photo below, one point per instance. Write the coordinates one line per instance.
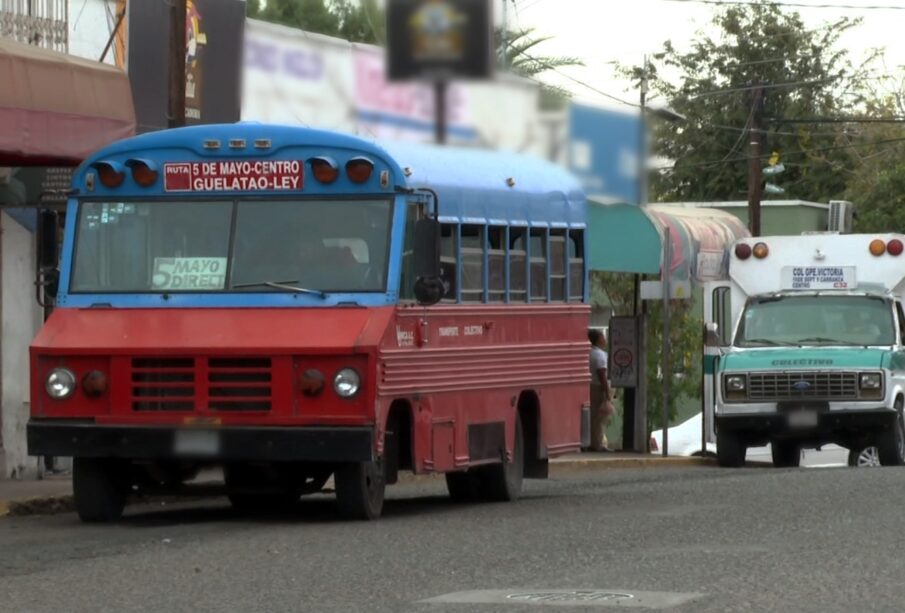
(496, 263)
(518, 264)
(558, 265)
(448, 262)
(576, 265)
(901, 316)
(538, 265)
(472, 263)
(722, 314)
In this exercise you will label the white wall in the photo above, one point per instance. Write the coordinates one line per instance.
(21, 318)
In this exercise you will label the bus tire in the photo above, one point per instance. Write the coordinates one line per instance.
(730, 451)
(786, 454)
(503, 482)
(891, 442)
(463, 486)
(360, 488)
(99, 489)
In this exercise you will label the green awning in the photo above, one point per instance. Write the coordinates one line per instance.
(628, 238)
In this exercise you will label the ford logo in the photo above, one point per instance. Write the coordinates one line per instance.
(801, 386)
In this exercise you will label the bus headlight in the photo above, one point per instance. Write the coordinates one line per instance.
(346, 383)
(871, 381)
(60, 383)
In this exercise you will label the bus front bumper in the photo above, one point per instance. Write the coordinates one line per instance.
(260, 444)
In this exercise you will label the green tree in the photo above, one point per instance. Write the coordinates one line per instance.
(358, 22)
(518, 53)
(806, 76)
(685, 338)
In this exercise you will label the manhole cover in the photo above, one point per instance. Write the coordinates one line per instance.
(569, 598)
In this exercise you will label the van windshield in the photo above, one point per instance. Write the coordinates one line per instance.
(817, 320)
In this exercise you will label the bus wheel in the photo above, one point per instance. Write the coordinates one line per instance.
(99, 489)
(360, 487)
(463, 487)
(503, 482)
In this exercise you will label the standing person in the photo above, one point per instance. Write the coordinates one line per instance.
(601, 401)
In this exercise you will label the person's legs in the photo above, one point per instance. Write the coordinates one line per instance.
(607, 409)
(597, 433)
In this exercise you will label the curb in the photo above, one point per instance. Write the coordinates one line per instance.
(52, 505)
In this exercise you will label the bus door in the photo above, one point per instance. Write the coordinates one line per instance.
(718, 320)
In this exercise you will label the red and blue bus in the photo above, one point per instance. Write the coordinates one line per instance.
(293, 305)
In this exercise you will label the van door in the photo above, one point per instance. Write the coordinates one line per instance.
(717, 310)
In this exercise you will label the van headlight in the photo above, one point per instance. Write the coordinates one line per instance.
(60, 383)
(735, 387)
(346, 383)
(871, 381)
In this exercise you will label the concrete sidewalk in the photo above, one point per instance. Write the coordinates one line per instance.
(53, 494)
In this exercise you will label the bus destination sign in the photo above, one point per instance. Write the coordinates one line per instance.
(818, 277)
(230, 176)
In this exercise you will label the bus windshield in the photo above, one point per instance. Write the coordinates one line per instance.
(817, 320)
(243, 246)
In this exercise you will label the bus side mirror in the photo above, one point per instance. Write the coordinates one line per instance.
(48, 255)
(429, 288)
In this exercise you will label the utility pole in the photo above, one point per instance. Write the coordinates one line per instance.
(176, 88)
(440, 112)
(755, 171)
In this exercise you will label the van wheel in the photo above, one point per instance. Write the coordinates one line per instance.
(503, 482)
(99, 488)
(360, 488)
(730, 451)
(891, 443)
(785, 454)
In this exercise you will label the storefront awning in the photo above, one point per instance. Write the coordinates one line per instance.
(55, 109)
(628, 238)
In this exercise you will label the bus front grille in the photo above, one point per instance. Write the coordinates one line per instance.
(173, 384)
(795, 385)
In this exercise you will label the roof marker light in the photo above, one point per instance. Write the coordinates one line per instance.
(761, 250)
(144, 172)
(895, 247)
(743, 251)
(877, 247)
(359, 169)
(237, 143)
(212, 143)
(262, 143)
(324, 169)
(110, 173)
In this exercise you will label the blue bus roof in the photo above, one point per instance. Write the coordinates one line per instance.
(473, 185)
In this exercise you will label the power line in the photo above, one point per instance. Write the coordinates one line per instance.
(784, 155)
(734, 90)
(556, 69)
(796, 5)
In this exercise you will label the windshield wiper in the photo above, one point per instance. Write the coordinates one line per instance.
(765, 341)
(287, 285)
(822, 339)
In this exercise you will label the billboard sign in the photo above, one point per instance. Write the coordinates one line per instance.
(439, 39)
(604, 152)
(214, 33)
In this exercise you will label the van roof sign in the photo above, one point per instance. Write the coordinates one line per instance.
(819, 278)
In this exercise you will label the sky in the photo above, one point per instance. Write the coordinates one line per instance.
(603, 31)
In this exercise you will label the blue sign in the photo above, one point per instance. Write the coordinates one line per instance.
(603, 152)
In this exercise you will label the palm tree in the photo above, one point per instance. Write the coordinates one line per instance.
(518, 56)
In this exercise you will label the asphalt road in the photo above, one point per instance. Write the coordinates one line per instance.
(754, 539)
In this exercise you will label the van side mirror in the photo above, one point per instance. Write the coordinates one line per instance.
(712, 335)
(429, 288)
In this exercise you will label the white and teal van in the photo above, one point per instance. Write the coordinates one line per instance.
(806, 346)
